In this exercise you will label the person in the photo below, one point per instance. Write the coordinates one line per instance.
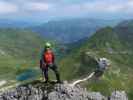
(48, 61)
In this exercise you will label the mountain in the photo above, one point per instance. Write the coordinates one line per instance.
(71, 30)
(126, 32)
(7, 23)
(126, 23)
(112, 43)
(19, 50)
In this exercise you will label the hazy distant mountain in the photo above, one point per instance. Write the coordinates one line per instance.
(126, 23)
(6, 23)
(70, 30)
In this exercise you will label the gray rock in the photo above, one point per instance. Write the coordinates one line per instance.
(64, 91)
(118, 95)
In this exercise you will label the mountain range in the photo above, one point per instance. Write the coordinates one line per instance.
(20, 50)
(7, 23)
(71, 30)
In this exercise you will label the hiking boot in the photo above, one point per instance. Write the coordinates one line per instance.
(46, 81)
(58, 81)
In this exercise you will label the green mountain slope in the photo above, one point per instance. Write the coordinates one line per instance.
(109, 43)
(19, 50)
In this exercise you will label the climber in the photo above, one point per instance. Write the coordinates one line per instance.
(48, 61)
(103, 64)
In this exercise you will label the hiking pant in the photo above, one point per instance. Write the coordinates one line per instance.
(54, 68)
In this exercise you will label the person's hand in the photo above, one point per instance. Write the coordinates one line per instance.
(44, 65)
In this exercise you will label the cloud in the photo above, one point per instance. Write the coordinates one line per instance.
(95, 8)
(68, 8)
(6, 8)
(98, 7)
(37, 6)
(110, 6)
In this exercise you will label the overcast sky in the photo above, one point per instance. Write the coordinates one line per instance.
(50, 9)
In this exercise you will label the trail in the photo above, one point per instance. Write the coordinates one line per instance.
(82, 80)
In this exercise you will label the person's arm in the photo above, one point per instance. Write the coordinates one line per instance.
(42, 60)
(42, 53)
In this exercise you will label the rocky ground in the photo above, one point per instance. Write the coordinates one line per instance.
(41, 91)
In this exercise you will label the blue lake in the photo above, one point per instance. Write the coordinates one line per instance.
(28, 74)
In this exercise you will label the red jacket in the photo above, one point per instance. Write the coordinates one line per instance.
(48, 57)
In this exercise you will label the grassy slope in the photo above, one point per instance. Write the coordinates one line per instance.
(119, 76)
(19, 50)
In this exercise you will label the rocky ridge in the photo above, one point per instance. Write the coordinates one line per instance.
(53, 91)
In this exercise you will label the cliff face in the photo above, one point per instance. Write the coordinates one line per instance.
(52, 91)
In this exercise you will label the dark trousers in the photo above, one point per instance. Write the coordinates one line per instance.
(53, 67)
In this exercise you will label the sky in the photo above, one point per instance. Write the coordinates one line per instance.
(56, 9)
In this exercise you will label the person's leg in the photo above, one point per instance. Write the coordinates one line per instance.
(55, 69)
(41, 67)
(45, 72)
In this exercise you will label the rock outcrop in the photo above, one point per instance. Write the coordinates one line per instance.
(52, 91)
(117, 95)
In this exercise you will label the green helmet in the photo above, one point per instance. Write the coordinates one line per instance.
(47, 45)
